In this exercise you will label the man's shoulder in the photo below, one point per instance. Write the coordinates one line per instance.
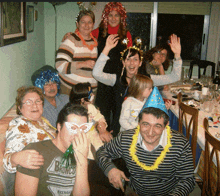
(177, 136)
(39, 146)
(63, 96)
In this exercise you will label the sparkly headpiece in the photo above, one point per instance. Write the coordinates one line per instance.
(82, 7)
(137, 46)
(155, 100)
(45, 77)
(117, 6)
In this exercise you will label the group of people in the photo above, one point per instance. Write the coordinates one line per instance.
(99, 110)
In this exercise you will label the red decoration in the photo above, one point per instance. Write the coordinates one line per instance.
(117, 6)
(90, 47)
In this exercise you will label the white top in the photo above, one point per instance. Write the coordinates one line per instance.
(110, 79)
(129, 113)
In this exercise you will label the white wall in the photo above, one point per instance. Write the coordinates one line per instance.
(18, 61)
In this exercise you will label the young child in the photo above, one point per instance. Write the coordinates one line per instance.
(82, 94)
(139, 90)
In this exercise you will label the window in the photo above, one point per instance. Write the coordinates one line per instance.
(189, 20)
(188, 27)
(139, 26)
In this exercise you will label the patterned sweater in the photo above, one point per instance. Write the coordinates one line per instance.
(174, 175)
(70, 52)
(20, 133)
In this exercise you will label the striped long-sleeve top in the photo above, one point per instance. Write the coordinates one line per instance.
(174, 176)
(71, 52)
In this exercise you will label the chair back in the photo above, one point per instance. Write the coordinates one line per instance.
(179, 98)
(201, 64)
(212, 150)
(188, 116)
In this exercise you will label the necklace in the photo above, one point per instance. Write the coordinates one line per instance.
(90, 47)
(155, 69)
(35, 123)
(159, 159)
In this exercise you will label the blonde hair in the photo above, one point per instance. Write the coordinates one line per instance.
(138, 84)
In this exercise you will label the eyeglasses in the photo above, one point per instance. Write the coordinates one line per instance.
(30, 102)
(162, 54)
(49, 84)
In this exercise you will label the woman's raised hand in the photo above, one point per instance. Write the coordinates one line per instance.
(111, 42)
(175, 45)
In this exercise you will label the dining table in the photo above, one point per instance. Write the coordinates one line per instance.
(190, 96)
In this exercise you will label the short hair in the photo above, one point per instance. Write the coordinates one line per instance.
(158, 113)
(85, 13)
(22, 91)
(138, 84)
(79, 91)
(68, 109)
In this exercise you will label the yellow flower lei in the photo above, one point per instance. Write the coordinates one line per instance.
(159, 160)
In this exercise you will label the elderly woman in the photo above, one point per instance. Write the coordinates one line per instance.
(27, 128)
(77, 54)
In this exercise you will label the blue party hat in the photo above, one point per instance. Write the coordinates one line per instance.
(155, 100)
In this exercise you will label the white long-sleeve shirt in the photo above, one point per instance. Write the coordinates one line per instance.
(110, 79)
(129, 113)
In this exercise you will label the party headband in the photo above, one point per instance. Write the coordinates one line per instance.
(137, 46)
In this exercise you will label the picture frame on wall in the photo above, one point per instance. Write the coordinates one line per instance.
(30, 18)
(13, 22)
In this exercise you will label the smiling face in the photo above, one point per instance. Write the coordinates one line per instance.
(132, 63)
(32, 106)
(114, 18)
(65, 137)
(160, 56)
(85, 26)
(50, 89)
(151, 129)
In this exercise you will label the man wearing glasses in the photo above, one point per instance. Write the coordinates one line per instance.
(48, 80)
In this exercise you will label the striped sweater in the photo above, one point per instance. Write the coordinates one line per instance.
(70, 52)
(174, 176)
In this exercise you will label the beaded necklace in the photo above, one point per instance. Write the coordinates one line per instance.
(159, 159)
(90, 47)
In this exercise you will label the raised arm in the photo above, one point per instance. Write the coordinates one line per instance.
(98, 74)
(175, 75)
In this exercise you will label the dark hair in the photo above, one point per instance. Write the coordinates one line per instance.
(149, 55)
(155, 112)
(132, 53)
(86, 13)
(79, 91)
(138, 84)
(68, 109)
(22, 91)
